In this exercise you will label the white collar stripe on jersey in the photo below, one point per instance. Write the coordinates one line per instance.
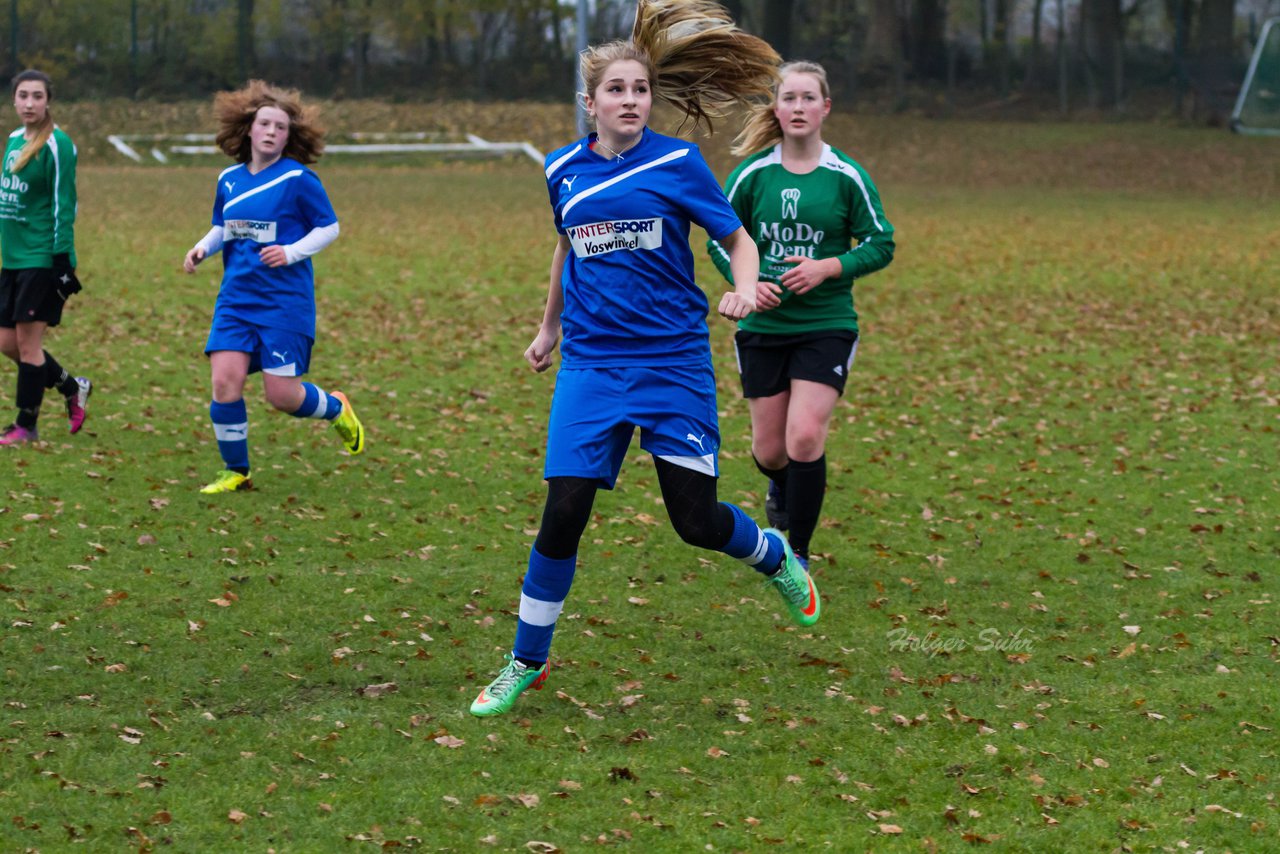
(774, 158)
(560, 161)
(590, 191)
(293, 173)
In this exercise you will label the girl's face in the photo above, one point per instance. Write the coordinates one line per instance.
(31, 100)
(269, 132)
(622, 101)
(800, 106)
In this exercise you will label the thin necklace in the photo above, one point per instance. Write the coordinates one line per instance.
(617, 154)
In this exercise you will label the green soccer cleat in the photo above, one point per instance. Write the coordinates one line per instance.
(349, 426)
(795, 585)
(500, 695)
(228, 481)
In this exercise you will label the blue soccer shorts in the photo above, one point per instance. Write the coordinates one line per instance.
(272, 351)
(595, 411)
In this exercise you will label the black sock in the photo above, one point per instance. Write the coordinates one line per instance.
(56, 376)
(30, 394)
(529, 663)
(244, 470)
(778, 476)
(806, 487)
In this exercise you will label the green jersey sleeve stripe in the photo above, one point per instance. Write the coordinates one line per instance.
(830, 160)
(57, 186)
(718, 250)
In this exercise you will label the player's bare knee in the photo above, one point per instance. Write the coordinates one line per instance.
(806, 444)
(227, 390)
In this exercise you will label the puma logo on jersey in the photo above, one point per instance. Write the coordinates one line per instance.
(697, 440)
(279, 355)
(230, 185)
(568, 182)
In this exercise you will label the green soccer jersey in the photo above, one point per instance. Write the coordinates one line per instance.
(38, 205)
(832, 212)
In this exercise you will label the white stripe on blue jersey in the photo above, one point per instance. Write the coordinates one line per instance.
(630, 173)
(561, 161)
(267, 186)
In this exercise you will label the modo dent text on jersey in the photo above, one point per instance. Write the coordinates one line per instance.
(790, 239)
(599, 238)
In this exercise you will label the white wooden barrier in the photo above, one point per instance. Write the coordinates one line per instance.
(162, 145)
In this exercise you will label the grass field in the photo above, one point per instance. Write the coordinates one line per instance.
(1049, 552)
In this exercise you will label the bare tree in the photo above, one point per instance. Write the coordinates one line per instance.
(1102, 44)
(1216, 29)
(777, 25)
(928, 39)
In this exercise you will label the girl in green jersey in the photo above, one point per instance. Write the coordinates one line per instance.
(816, 218)
(37, 255)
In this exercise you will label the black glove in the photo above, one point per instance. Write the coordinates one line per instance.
(64, 276)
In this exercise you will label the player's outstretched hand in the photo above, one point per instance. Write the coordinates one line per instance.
(735, 306)
(538, 354)
(194, 257)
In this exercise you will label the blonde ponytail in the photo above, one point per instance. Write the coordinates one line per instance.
(704, 63)
(32, 147)
(697, 58)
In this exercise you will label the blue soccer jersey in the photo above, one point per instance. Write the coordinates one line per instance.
(629, 293)
(279, 205)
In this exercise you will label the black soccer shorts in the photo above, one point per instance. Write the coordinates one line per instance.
(768, 363)
(29, 296)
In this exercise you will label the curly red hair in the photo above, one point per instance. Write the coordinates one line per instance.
(236, 111)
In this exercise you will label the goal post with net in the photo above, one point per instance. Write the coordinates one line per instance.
(1258, 105)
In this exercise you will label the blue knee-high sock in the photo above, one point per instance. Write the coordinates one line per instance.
(758, 550)
(546, 585)
(231, 426)
(317, 404)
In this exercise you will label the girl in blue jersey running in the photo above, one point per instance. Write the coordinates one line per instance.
(636, 350)
(270, 215)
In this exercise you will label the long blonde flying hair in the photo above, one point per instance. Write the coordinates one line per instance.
(697, 59)
(44, 130)
(761, 129)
